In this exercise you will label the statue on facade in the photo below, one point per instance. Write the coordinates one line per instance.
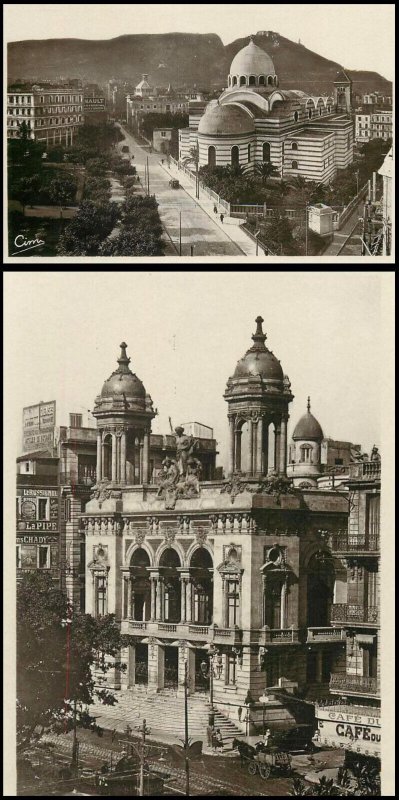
(168, 480)
(375, 455)
(276, 485)
(103, 490)
(185, 446)
(190, 485)
(173, 485)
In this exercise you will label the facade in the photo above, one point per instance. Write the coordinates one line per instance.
(254, 120)
(166, 140)
(354, 722)
(38, 514)
(235, 570)
(148, 100)
(373, 122)
(52, 114)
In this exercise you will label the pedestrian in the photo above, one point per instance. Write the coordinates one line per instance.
(219, 738)
(209, 734)
(222, 218)
(239, 712)
(162, 160)
(266, 736)
(113, 734)
(215, 208)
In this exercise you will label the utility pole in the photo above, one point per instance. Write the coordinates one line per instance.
(144, 731)
(186, 739)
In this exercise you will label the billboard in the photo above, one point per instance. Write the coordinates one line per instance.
(359, 733)
(38, 424)
(93, 104)
(37, 512)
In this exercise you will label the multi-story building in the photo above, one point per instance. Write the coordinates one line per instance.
(52, 114)
(235, 569)
(255, 121)
(354, 721)
(373, 122)
(38, 514)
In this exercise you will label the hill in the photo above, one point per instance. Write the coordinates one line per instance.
(177, 58)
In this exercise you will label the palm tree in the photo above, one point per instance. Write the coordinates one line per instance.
(265, 170)
(193, 158)
(307, 191)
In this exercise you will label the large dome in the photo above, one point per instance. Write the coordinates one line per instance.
(308, 427)
(223, 120)
(252, 60)
(123, 381)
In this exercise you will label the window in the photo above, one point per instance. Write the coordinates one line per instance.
(235, 156)
(262, 80)
(230, 669)
(296, 116)
(101, 596)
(249, 153)
(233, 604)
(235, 80)
(294, 146)
(42, 508)
(163, 133)
(211, 156)
(18, 556)
(82, 562)
(43, 557)
(252, 80)
(27, 466)
(243, 80)
(266, 151)
(320, 111)
(310, 113)
(270, 80)
(67, 509)
(306, 454)
(338, 461)
(294, 165)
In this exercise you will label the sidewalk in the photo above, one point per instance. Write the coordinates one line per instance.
(230, 225)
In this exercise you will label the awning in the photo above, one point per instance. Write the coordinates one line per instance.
(365, 638)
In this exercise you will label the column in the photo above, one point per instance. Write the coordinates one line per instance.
(231, 465)
(265, 459)
(250, 447)
(156, 667)
(189, 600)
(277, 436)
(129, 597)
(153, 582)
(259, 446)
(118, 450)
(141, 465)
(146, 458)
(158, 607)
(131, 666)
(319, 666)
(283, 446)
(113, 472)
(237, 465)
(123, 458)
(99, 457)
(283, 607)
(183, 585)
(264, 600)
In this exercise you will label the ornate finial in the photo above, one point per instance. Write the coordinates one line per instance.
(308, 405)
(123, 359)
(259, 337)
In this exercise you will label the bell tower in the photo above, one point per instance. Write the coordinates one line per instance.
(343, 93)
(258, 395)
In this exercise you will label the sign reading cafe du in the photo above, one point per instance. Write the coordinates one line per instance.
(355, 732)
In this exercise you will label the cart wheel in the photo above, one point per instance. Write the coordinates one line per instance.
(252, 768)
(264, 770)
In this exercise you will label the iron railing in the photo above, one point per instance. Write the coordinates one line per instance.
(353, 612)
(354, 683)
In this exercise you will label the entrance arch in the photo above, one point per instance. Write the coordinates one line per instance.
(169, 565)
(201, 575)
(139, 602)
(320, 589)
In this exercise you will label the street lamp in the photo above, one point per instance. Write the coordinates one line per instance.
(208, 671)
(141, 753)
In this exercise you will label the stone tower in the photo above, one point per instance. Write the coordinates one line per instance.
(343, 92)
(124, 412)
(258, 395)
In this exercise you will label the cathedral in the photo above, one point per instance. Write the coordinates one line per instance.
(230, 578)
(255, 121)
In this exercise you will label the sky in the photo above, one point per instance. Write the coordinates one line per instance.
(358, 36)
(185, 333)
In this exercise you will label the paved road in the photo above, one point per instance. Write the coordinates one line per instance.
(351, 228)
(197, 228)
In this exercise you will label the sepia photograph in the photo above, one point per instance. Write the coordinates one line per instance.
(256, 133)
(199, 598)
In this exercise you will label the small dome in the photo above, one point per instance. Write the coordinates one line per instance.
(123, 381)
(258, 360)
(308, 427)
(220, 120)
(252, 60)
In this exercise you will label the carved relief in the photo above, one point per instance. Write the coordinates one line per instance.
(275, 485)
(234, 486)
(103, 491)
(174, 486)
(201, 536)
(139, 535)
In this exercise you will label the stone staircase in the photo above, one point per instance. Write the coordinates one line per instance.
(164, 715)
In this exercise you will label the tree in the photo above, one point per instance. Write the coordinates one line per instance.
(266, 170)
(133, 243)
(62, 190)
(85, 233)
(193, 158)
(27, 189)
(46, 698)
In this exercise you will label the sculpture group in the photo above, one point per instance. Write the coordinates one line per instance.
(180, 477)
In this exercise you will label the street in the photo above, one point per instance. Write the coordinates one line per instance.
(197, 228)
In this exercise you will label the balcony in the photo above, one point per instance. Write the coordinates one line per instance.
(327, 634)
(169, 630)
(279, 636)
(355, 614)
(354, 684)
(227, 635)
(75, 478)
(365, 470)
(345, 544)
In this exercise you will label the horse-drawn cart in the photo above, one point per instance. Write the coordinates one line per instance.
(262, 759)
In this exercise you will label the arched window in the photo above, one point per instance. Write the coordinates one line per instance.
(243, 80)
(328, 109)
(294, 146)
(275, 80)
(296, 116)
(261, 80)
(320, 111)
(235, 80)
(235, 156)
(211, 156)
(294, 165)
(306, 454)
(310, 113)
(252, 80)
(266, 151)
(270, 80)
(249, 153)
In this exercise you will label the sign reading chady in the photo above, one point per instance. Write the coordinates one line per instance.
(38, 424)
(93, 104)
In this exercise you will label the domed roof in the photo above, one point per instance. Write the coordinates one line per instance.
(252, 60)
(123, 381)
(258, 360)
(220, 120)
(308, 427)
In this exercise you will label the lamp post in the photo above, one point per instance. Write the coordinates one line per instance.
(144, 732)
(208, 671)
(186, 738)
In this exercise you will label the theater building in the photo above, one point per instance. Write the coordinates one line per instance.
(255, 120)
(237, 571)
